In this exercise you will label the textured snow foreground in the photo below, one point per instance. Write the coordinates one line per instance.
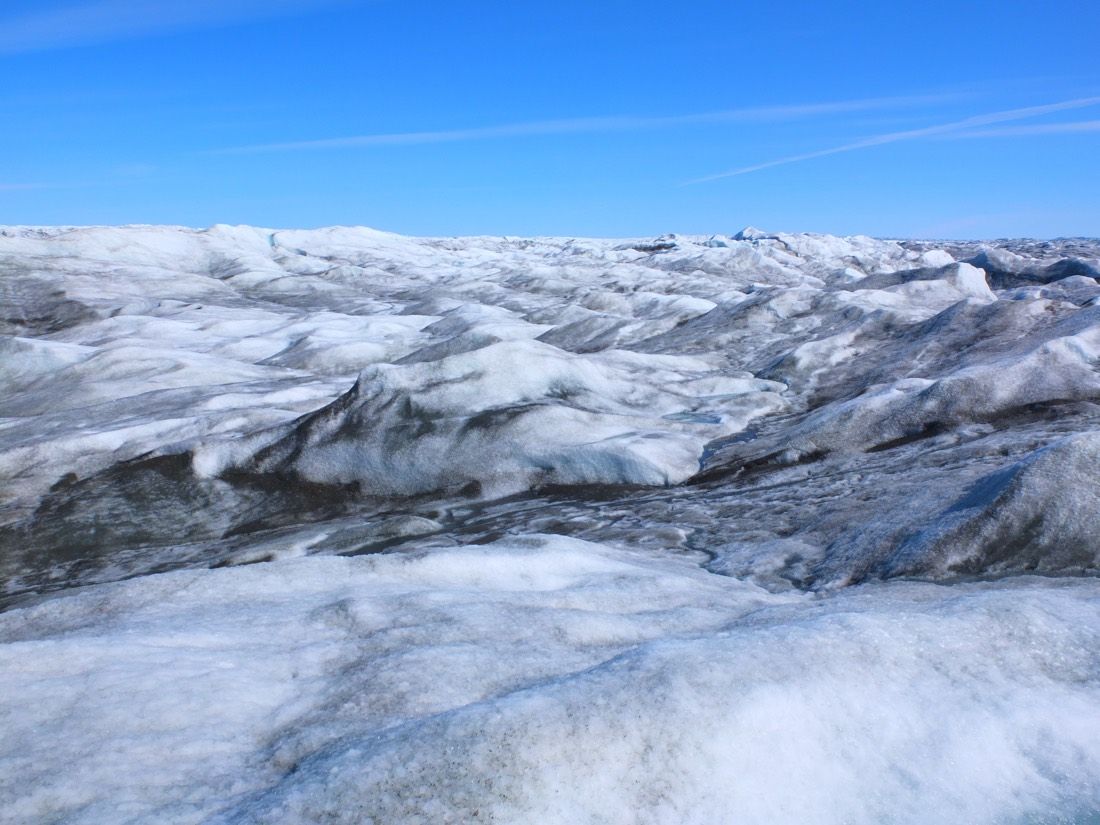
(759, 528)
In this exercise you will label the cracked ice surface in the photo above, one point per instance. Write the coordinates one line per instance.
(763, 527)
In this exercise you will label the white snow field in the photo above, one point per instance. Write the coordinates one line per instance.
(344, 526)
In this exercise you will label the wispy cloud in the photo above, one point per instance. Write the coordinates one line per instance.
(22, 187)
(591, 124)
(98, 21)
(913, 134)
(1074, 127)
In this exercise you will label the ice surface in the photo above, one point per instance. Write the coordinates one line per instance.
(761, 527)
(547, 680)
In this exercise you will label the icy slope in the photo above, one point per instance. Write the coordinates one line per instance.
(629, 528)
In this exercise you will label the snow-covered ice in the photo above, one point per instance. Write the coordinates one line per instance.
(340, 525)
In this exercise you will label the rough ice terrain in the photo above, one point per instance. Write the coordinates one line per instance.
(345, 526)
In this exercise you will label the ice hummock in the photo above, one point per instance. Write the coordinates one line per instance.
(509, 417)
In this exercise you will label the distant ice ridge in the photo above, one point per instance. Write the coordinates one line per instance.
(547, 680)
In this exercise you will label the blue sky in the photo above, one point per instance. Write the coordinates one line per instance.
(605, 117)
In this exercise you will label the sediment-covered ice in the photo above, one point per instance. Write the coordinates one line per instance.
(340, 525)
(1042, 514)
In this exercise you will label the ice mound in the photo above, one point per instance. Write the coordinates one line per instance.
(26, 361)
(1054, 364)
(508, 417)
(547, 680)
(1007, 269)
(935, 288)
(1041, 514)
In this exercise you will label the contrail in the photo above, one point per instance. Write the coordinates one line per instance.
(1075, 127)
(912, 134)
(587, 125)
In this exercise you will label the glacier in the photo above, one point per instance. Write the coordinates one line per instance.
(342, 525)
